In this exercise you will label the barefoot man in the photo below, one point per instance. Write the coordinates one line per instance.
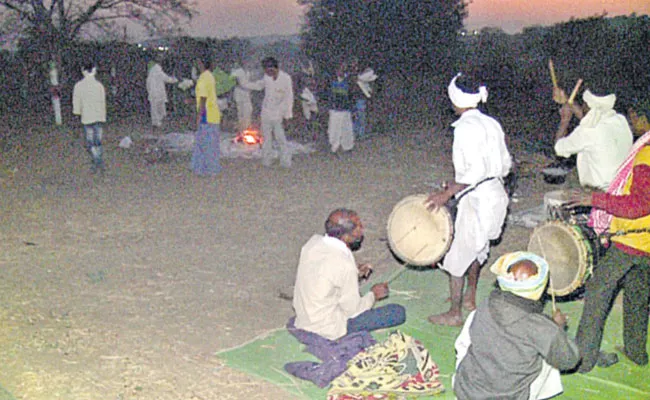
(481, 160)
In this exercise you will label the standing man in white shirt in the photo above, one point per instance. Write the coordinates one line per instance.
(326, 295)
(242, 97)
(89, 102)
(276, 107)
(481, 161)
(602, 140)
(157, 94)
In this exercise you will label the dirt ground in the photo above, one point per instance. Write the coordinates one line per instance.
(124, 287)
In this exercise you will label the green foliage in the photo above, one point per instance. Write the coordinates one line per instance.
(609, 54)
(411, 44)
(389, 35)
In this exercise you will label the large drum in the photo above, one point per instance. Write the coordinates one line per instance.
(558, 208)
(571, 252)
(416, 235)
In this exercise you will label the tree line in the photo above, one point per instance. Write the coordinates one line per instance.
(414, 46)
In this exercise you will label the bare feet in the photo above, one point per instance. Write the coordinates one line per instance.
(468, 304)
(448, 319)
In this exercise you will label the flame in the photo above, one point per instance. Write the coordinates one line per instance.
(250, 136)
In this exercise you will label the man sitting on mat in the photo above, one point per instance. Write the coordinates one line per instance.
(508, 349)
(326, 295)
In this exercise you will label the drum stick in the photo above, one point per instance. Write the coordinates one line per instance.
(552, 70)
(550, 282)
(550, 278)
(574, 92)
(397, 273)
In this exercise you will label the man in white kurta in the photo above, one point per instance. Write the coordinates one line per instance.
(276, 107)
(602, 140)
(326, 293)
(481, 159)
(242, 97)
(157, 94)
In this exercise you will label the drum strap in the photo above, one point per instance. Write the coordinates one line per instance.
(452, 204)
(628, 232)
(456, 199)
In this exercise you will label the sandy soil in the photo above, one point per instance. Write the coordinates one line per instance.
(123, 287)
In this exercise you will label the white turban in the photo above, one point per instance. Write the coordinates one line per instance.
(466, 100)
(599, 107)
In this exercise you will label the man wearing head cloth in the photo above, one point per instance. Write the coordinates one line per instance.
(602, 140)
(509, 349)
(481, 161)
(326, 295)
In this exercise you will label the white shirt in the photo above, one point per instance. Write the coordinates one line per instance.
(479, 149)
(278, 96)
(479, 152)
(601, 149)
(89, 100)
(156, 79)
(326, 293)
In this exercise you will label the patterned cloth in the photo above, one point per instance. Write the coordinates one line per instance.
(599, 219)
(400, 366)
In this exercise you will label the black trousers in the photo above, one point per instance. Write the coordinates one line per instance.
(616, 271)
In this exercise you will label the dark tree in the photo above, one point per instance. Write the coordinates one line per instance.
(391, 35)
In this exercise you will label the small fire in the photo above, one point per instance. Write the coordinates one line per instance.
(249, 136)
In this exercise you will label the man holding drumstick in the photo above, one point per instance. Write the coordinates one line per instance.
(602, 140)
(624, 212)
(481, 160)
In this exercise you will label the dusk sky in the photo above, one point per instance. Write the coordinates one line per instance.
(245, 18)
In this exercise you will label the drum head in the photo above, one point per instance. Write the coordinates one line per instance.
(567, 252)
(416, 235)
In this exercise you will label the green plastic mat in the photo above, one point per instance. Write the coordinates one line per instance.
(424, 293)
(4, 395)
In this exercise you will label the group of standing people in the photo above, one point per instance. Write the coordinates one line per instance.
(348, 94)
(507, 348)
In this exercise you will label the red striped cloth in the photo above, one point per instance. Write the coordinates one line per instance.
(600, 219)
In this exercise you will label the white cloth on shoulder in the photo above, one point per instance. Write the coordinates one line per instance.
(547, 384)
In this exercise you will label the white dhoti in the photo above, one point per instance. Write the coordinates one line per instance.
(479, 219)
(548, 383)
(340, 131)
(244, 106)
(158, 112)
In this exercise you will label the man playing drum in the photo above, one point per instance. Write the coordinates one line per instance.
(508, 348)
(601, 140)
(624, 211)
(481, 159)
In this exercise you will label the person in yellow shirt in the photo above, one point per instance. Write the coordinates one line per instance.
(205, 155)
(624, 212)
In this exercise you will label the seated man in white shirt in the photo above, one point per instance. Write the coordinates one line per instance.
(602, 140)
(326, 294)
